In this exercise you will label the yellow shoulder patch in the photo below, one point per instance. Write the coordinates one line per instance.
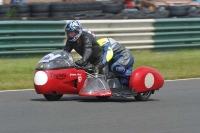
(102, 41)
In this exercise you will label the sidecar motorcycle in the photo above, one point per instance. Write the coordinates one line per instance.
(56, 74)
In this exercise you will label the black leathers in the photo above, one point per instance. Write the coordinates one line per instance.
(88, 48)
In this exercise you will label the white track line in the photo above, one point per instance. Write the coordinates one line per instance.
(181, 79)
(16, 90)
(34, 89)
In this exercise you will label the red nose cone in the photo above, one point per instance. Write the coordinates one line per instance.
(146, 79)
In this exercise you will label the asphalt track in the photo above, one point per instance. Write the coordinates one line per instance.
(173, 109)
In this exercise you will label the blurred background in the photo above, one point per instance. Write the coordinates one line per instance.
(33, 28)
(97, 9)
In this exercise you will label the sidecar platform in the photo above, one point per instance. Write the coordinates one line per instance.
(122, 92)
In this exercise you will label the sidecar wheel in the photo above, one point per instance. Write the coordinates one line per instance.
(51, 97)
(143, 96)
(103, 97)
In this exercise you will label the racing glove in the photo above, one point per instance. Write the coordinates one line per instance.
(81, 62)
(90, 66)
(98, 67)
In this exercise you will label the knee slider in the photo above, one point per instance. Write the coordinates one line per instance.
(119, 69)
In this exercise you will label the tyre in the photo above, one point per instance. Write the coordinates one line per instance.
(145, 13)
(3, 15)
(65, 15)
(5, 8)
(23, 8)
(163, 13)
(143, 96)
(23, 15)
(97, 5)
(194, 14)
(178, 10)
(112, 7)
(101, 15)
(40, 8)
(133, 14)
(159, 14)
(83, 6)
(122, 15)
(141, 14)
(40, 15)
(62, 7)
(79, 16)
(52, 97)
(103, 97)
(193, 9)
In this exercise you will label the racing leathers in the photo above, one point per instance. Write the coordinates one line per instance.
(87, 48)
(119, 58)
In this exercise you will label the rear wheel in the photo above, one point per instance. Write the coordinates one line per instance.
(53, 97)
(143, 96)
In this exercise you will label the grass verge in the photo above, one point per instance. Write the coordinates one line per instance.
(18, 73)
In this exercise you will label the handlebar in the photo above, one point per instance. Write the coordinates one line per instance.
(88, 67)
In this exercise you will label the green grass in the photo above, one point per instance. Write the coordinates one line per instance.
(172, 65)
(18, 73)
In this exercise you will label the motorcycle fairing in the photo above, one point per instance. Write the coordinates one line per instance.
(65, 81)
(145, 79)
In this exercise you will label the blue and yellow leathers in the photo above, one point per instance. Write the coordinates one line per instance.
(119, 58)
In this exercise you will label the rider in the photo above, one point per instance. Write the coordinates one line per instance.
(121, 61)
(83, 43)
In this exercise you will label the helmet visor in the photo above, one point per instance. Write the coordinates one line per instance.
(71, 34)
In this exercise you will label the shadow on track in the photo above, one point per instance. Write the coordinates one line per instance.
(92, 99)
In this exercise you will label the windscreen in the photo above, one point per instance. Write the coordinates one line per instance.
(56, 60)
(95, 85)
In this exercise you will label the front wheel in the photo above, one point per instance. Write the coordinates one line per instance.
(53, 97)
(143, 96)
